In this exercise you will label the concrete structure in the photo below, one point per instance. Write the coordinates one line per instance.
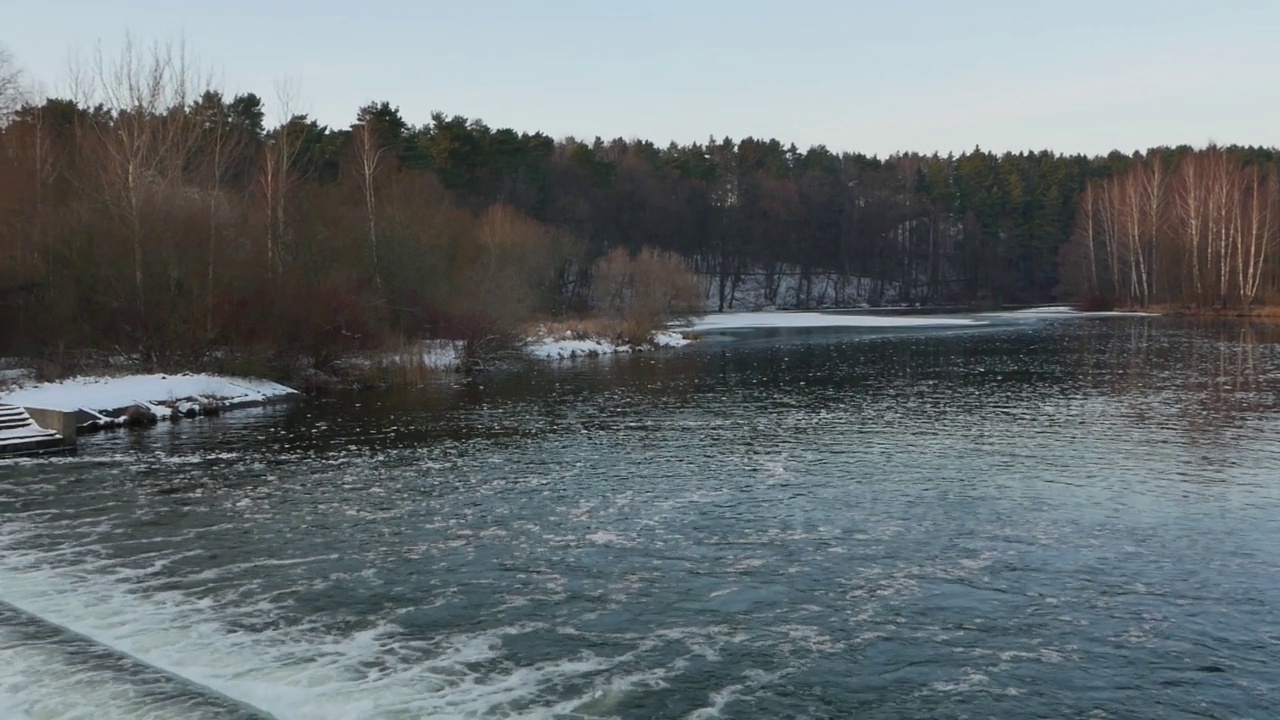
(59, 421)
(20, 434)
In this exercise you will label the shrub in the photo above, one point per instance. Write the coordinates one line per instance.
(645, 291)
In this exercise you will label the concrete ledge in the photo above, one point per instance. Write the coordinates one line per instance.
(60, 421)
(51, 444)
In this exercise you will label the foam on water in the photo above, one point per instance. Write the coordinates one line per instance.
(304, 671)
(50, 673)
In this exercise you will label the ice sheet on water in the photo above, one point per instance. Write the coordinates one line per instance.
(747, 320)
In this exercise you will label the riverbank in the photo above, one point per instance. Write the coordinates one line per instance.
(112, 399)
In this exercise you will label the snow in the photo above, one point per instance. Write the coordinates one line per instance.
(164, 395)
(823, 290)
(545, 347)
(1051, 310)
(17, 427)
(1068, 311)
(24, 434)
(442, 354)
(10, 376)
(746, 320)
(669, 339)
(549, 349)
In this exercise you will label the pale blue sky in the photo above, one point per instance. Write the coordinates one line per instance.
(1084, 75)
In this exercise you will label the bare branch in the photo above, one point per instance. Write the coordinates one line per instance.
(11, 92)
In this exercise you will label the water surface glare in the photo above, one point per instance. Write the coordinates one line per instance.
(1038, 518)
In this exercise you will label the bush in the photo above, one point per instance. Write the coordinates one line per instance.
(645, 291)
(502, 277)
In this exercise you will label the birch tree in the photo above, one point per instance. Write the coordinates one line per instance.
(1154, 180)
(1253, 241)
(276, 173)
(369, 159)
(11, 93)
(1191, 219)
(147, 139)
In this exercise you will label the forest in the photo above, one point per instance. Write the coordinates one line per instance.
(1181, 229)
(149, 215)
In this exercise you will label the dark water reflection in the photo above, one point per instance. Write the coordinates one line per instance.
(1043, 518)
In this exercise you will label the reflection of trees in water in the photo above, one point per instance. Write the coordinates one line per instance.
(1217, 374)
(1225, 373)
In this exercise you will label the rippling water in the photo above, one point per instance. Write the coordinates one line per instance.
(1040, 518)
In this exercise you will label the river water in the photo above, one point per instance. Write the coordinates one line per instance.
(1036, 517)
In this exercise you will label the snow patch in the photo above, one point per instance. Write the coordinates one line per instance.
(442, 354)
(545, 347)
(789, 287)
(1051, 310)
(13, 376)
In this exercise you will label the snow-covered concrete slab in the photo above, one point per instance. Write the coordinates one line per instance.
(164, 395)
(19, 433)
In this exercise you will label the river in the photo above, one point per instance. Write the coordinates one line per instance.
(1031, 517)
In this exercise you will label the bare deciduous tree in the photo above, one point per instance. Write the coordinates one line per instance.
(276, 173)
(1198, 233)
(219, 143)
(11, 92)
(148, 137)
(369, 159)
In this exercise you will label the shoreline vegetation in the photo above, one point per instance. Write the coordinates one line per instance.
(122, 397)
(150, 223)
(117, 397)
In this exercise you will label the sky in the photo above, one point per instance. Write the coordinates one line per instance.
(894, 75)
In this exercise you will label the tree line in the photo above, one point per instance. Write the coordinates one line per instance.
(1188, 228)
(149, 214)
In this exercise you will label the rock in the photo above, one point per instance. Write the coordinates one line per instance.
(138, 415)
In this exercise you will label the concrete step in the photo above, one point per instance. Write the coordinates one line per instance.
(19, 434)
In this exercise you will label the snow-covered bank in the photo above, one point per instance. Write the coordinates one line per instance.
(748, 320)
(571, 345)
(788, 288)
(105, 400)
(563, 347)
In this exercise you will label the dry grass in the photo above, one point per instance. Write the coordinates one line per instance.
(405, 364)
(585, 328)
